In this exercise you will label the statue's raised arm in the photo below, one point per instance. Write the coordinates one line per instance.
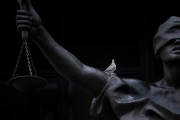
(65, 63)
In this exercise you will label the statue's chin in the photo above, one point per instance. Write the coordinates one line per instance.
(174, 60)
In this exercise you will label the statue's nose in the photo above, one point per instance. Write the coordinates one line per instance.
(177, 41)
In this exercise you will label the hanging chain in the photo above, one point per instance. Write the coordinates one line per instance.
(30, 63)
(29, 59)
(18, 60)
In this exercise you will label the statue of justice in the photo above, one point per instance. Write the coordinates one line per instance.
(116, 98)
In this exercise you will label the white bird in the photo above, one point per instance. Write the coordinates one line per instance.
(112, 67)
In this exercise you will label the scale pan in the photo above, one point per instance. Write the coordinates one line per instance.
(27, 83)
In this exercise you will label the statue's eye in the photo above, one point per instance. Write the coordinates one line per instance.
(177, 27)
(171, 41)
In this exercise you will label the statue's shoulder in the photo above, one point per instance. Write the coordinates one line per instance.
(136, 83)
(133, 80)
(128, 85)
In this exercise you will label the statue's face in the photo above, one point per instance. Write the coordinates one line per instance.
(171, 51)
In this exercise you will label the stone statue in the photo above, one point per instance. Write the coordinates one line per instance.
(117, 98)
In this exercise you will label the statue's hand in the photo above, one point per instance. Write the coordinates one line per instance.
(28, 19)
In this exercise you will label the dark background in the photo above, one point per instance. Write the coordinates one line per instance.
(95, 32)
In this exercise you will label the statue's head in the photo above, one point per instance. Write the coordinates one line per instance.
(167, 31)
(167, 40)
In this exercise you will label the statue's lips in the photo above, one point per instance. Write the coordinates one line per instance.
(176, 49)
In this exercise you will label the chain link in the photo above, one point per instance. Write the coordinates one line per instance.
(29, 59)
(28, 56)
